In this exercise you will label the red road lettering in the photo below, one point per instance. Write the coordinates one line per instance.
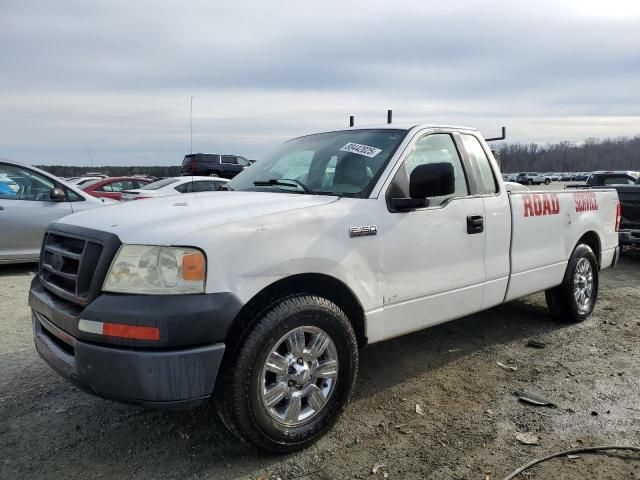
(540, 204)
(528, 206)
(585, 201)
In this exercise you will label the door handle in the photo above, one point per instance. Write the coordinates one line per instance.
(475, 224)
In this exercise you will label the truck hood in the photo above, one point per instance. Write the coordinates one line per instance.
(160, 221)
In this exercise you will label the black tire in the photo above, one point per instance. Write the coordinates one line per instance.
(529, 182)
(214, 174)
(561, 300)
(240, 404)
(547, 181)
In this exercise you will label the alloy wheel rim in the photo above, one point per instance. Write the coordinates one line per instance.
(583, 284)
(299, 375)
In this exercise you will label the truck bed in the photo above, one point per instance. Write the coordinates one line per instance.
(547, 225)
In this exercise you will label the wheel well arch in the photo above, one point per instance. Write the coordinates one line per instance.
(319, 284)
(592, 239)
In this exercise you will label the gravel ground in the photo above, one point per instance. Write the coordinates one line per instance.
(467, 429)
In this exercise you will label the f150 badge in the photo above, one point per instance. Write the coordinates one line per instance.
(363, 231)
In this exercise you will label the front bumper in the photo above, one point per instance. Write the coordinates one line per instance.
(178, 370)
(629, 237)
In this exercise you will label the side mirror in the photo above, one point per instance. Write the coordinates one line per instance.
(432, 180)
(426, 181)
(57, 195)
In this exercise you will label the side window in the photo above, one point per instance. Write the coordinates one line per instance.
(242, 161)
(205, 186)
(229, 159)
(618, 181)
(480, 164)
(18, 183)
(184, 188)
(107, 187)
(435, 148)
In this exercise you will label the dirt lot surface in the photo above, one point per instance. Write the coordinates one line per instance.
(49, 429)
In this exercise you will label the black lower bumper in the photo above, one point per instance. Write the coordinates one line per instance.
(178, 370)
(176, 378)
(629, 237)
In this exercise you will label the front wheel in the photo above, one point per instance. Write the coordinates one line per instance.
(575, 298)
(292, 375)
(547, 181)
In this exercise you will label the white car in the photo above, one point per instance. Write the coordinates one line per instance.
(267, 291)
(30, 199)
(174, 186)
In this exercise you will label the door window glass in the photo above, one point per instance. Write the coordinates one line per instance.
(229, 159)
(480, 164)
(438, 148)
(17, 183)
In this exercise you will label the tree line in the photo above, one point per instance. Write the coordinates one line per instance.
(621, 153)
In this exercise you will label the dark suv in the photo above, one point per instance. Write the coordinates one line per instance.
(213, 165)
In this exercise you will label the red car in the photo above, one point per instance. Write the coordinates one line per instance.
(112, 187)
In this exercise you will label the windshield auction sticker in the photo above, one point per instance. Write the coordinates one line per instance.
(365, 150)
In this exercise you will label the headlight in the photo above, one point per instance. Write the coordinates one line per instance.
(156, 270)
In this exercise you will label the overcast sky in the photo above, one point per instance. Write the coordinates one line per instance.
(116, 77)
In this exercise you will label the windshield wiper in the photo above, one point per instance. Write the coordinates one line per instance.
(285, 182)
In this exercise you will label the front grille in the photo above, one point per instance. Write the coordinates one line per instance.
(67, 265)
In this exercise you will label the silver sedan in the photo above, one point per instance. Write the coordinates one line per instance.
(30, 199)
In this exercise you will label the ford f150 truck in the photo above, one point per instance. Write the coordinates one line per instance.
(260, 297)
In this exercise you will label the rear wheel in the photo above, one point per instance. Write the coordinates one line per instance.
(214, 174)
(292, 375)
(529, 182)
(575, 298)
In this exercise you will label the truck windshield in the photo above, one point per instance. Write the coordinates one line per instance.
(343, 163)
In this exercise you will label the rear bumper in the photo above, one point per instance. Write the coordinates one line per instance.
(171, 379)
(629, 237)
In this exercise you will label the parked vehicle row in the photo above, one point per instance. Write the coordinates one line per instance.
(535, 178)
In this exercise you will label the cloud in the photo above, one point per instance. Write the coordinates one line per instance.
(117, 76)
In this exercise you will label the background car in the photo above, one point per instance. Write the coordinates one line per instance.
(615, 177)
(112, 187)
(174, 186)
(532, 178)
(31, 199)
(213, 165)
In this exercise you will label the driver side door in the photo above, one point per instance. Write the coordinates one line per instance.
(433, 267)
(25, 211)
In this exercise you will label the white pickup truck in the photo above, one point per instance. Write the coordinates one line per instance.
(260, 297)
